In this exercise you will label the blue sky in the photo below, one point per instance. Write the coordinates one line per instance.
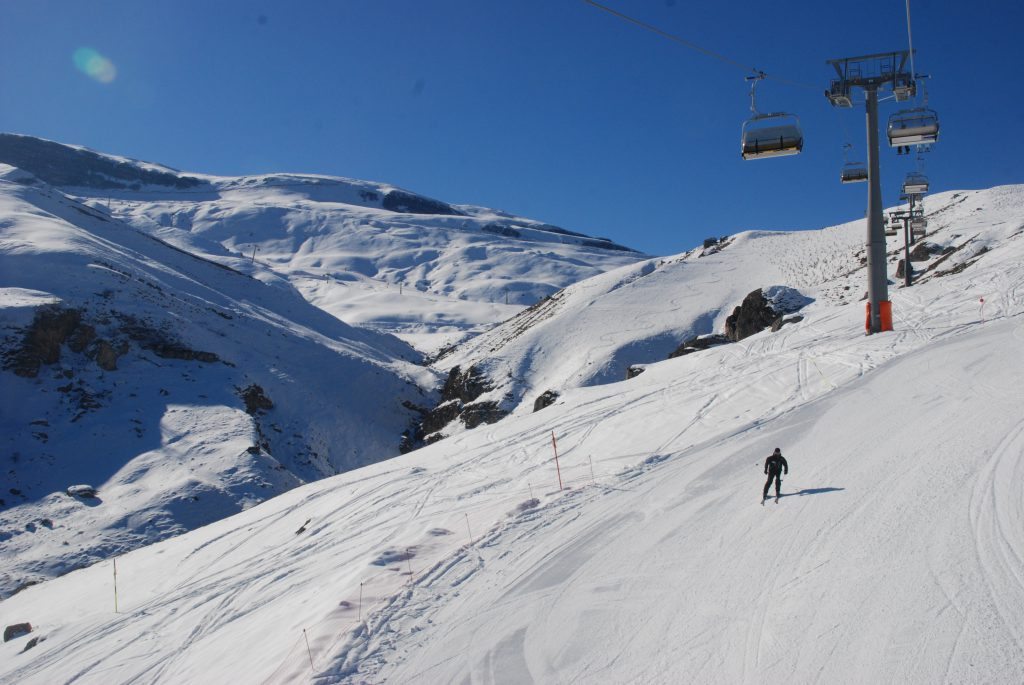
(546, 108)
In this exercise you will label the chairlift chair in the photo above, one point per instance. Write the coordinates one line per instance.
(853, 172)
(916, 183)
(839, 94)
(892, 224)
(772, 135)
(917, 126)
(769, 135)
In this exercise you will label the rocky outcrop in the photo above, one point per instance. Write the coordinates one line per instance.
(51, 327)
(498, 229)
(698, 343)
(16, 630)
(478, 414)
(634, 371)
(83, 491)
(170, 350)
(458, 401)
(782, 321)
(546, 399)
(752, 316)
(761, 309)
(66, 166)
(439, 417)
(256, 400)
(106, 355)
(408, 203)
(922, 252)
(464, 386)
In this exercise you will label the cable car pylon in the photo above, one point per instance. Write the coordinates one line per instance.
(872, 73)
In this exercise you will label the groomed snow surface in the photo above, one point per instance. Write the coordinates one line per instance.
(894, 555)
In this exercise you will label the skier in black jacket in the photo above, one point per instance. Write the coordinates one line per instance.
(773, 466)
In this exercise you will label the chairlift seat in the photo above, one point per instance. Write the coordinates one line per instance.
(915, 184)
(853, 173)
(771, 135)
(913, 127)
(839, 94)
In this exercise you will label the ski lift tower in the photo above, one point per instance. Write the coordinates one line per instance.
(872, 73)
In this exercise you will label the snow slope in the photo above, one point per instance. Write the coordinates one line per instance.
(370, 253)
(593, 331)
(895, 553)
(165, 434)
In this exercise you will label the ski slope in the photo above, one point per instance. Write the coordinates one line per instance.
(895, 554)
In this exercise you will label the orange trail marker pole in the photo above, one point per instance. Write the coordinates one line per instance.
(554, 446)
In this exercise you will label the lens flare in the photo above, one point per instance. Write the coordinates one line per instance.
(94, 65)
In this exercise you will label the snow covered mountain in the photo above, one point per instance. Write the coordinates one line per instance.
(643, 554)
(147, 356)
(370, 253)
(181, 388)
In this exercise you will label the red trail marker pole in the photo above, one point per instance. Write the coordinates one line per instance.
(308, 651)
(558, 469)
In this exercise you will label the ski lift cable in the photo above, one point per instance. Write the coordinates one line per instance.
(694, 46)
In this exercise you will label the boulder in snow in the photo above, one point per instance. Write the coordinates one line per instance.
(83, 491)
(16, 630)
(761, 308)
(546, 399)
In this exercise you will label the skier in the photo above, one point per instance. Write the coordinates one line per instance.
(773, 465)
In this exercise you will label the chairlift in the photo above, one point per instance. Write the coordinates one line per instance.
(916, 183)
(769, 135)
(892, 225)
(852, 172)
(917, 126)
(918, 224)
